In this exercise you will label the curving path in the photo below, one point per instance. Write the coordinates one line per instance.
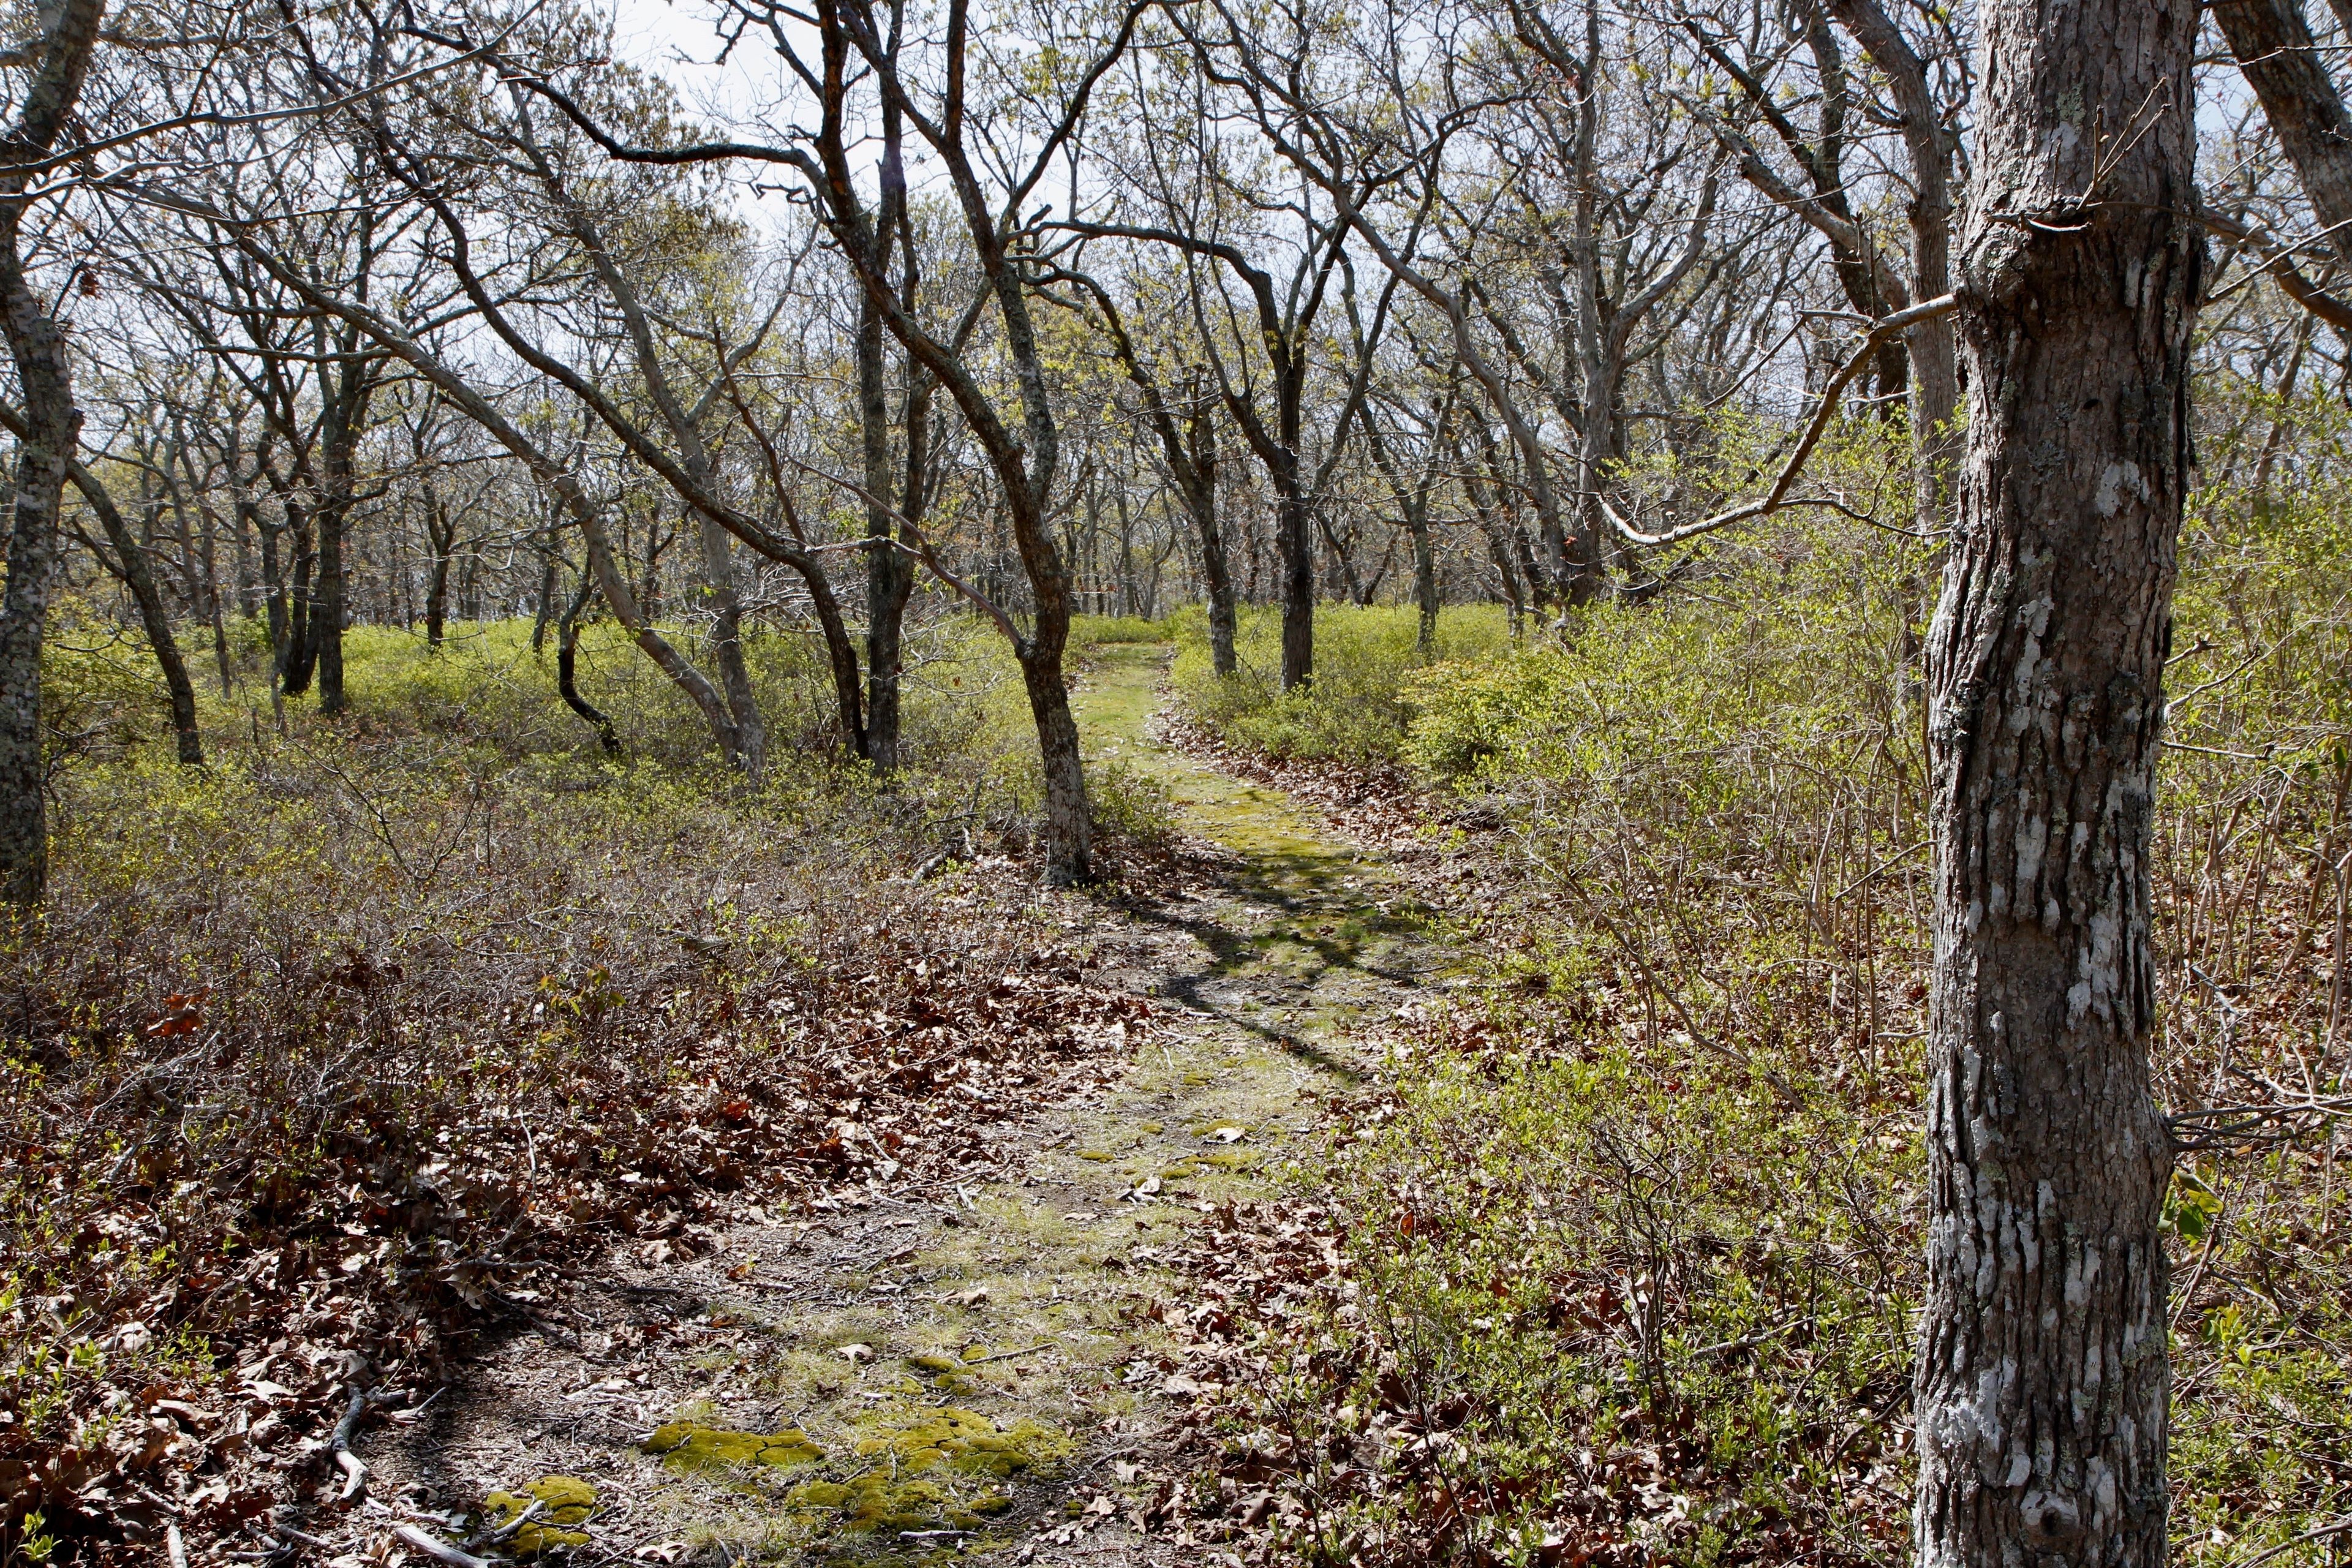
(970, 1373)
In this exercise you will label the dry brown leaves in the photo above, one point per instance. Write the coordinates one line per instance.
(230, 1206)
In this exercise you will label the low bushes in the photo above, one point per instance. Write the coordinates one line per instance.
(322, 1056)
(1358, 705)
(1626, 1244)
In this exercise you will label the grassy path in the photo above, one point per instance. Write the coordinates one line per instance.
(970, 1373)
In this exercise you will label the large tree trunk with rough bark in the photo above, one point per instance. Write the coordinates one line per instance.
(2042, 1391)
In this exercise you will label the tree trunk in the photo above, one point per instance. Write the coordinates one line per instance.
(325, 661)
(2272, 43)
(153, 615)
(1201, 500)
(440, 539)
(726, 642)
(2041, 1389)
(1424, 579)
(1294, 548)
(1069, 828)
(273, 607)
(567, 650)
(1935, 389)
(436, 600)
(294, 662)
(889, 574)
(53, 426)
(549, 581)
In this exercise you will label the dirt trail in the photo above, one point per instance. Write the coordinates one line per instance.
(965, 1373)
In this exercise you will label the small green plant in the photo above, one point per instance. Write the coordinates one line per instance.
(34, 1543)
(1130, 803)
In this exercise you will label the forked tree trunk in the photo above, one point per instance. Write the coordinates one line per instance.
(726, 606)
(2041, 1387)
(295, 661)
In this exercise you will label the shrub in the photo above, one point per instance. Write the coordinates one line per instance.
(1626, 1248)
(1356, 706)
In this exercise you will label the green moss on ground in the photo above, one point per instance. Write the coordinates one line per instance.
(920, 1467)
(566, 1501)
(689, 1448)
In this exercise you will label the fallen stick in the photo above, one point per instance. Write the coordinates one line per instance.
(354, 1473)
(1009, 1355)
(537, 1506)
(440, 1551)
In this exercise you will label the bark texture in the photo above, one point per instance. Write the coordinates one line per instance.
(2041, 1387)
(889, 575)
(45, 453)
(1200, 486)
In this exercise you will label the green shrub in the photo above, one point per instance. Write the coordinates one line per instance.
(1621, 1289)
(1356, 705)
(1130, 803)
(1085, 631)
(1631, 1262)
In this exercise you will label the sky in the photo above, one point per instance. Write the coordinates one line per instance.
(677, 40)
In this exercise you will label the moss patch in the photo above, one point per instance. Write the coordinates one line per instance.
(688, 1448)
(921, 1466)
(568, 1501)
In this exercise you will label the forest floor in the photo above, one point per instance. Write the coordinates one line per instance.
(978, 1369)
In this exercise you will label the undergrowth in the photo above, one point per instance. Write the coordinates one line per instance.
(325, 1056)
(1622, 1253)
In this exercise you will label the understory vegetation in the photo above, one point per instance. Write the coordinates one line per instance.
(552, 742)
(329, 1056)
(1626, 1243)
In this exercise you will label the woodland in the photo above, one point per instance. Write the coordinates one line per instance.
(1236, 781)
